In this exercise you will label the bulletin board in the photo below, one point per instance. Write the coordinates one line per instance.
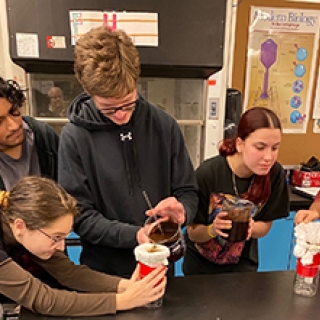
(295, 148)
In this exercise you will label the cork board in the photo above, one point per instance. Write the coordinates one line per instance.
(295, 148)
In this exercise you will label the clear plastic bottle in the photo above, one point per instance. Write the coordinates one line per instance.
(306, 281)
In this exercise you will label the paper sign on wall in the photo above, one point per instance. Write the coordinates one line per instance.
(142, 27)
(27, 45)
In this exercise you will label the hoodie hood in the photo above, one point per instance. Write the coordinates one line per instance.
(84, 113)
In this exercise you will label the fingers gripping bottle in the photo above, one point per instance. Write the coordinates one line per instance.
(149, 257)
(306, 281)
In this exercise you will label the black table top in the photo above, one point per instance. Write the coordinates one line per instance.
(298, 202)
(234, 296)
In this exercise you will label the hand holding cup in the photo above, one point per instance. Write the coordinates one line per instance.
(239, 212)
(146, 291)
(150, 258)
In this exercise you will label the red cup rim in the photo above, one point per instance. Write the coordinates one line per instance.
(310, 270)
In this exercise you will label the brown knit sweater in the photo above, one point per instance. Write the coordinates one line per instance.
(96, 296)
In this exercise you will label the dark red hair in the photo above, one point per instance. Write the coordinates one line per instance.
(252, 120)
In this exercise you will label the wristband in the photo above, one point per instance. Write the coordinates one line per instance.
(209, 232)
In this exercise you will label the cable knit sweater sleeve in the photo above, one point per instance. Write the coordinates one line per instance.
(20, 286)
(78, 277)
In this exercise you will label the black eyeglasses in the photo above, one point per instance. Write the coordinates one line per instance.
(125, 107)
(53, 239)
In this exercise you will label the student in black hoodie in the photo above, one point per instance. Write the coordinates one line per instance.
(117, 145)
(27, 146)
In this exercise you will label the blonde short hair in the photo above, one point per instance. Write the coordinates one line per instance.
(106, 63)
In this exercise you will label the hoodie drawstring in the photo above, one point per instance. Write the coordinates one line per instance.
(135, 163)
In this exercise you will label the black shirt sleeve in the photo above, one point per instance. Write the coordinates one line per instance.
(204, 184)
(277, 206)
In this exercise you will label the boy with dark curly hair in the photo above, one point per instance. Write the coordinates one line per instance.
(27, 146)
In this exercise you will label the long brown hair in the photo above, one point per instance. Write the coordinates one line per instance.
(252, 120)
(37, 201)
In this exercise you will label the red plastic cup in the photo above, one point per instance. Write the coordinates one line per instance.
(148, 260)
(145, 269)
(310, 270)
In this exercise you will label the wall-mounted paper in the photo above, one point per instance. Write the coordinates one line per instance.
(316, 126)
(316, 106)
(311, 1)
(27, 45)
(142, 27)
(282, 53)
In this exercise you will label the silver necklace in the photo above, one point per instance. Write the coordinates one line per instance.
(235, 189)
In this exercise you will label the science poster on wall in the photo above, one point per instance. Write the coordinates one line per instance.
(281, 58)
(316, 107)
(316, 126)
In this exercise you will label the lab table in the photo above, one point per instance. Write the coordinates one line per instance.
(297, 201)
(233, 296)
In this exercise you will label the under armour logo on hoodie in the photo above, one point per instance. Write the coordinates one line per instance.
(126, 136)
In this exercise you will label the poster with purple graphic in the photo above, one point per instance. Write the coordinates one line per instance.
(316, 106)
(316, 126)
(281, 61)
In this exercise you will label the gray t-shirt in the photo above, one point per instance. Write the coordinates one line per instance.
(12, 170)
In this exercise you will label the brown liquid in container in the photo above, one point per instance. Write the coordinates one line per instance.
(169, 236)
(240, 218)
(238, 232)
(154, 249)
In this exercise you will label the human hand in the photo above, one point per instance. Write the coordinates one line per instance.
(251, 224)
(169, 207)
(306, 216)
(141, 235)
(125, 283)
(140, 292)
(220, 223)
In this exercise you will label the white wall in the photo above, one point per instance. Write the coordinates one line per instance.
(217, 92)
(8, 69)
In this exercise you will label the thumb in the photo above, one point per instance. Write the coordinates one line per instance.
(150, 212)
(222, 214)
